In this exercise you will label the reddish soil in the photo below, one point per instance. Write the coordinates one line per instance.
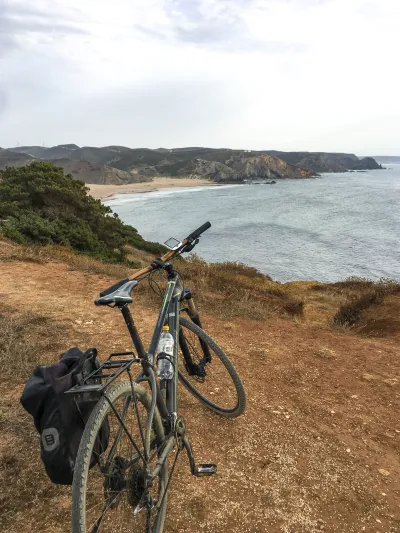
(317, 449)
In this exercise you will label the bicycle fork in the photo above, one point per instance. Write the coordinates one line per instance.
(192, 368)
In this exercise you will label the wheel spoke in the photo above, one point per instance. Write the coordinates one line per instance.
(126, 431)
(108, 498)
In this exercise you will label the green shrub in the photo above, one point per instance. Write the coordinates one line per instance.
(40, 204)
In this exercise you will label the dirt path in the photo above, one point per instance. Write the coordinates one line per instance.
(318, 447)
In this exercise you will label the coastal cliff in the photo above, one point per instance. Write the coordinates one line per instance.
(121, 165)
(326, 162)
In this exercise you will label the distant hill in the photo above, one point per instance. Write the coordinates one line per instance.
(120, 164)
(86, 171)
(41, 152)
(325, 161)
(13, 159)
(96, 173)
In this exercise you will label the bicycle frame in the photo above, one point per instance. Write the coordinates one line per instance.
(165, 394)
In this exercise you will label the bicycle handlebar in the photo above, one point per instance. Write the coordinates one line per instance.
(197, 232)
(169, 255)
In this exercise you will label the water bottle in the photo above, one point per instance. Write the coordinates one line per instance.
(165, 368)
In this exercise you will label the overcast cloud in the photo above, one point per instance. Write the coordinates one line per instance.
(257, 74)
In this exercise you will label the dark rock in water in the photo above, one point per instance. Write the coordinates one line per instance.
(255, 182)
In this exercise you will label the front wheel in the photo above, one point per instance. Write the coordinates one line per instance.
(207, 373)
(110, 492)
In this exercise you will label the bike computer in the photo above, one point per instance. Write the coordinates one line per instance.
(172, 243)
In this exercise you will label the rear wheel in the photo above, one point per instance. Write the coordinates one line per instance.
(206, 371)
(114, 494)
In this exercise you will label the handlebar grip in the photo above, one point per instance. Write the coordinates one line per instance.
(197, 232)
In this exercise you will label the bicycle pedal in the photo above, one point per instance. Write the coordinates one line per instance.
(205, 470)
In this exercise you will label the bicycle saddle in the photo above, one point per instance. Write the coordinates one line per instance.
(120, 293)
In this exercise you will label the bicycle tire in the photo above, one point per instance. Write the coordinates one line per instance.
(100, 413)
(239, 407)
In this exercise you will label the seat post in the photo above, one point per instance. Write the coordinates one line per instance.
(130, 324)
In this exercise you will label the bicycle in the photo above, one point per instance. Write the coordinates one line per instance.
(121, 474)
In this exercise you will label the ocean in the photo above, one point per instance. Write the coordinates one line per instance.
(324, 229)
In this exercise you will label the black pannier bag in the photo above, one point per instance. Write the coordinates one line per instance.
(57, 417)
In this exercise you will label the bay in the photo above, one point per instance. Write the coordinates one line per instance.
(324, 229)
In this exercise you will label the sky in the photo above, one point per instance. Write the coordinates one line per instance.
(264, 74)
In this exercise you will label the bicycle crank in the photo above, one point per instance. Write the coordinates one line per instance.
(202, 470)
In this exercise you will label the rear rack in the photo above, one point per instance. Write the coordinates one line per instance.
(101, 378)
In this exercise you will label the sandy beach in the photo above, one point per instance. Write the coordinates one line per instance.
(105, 191)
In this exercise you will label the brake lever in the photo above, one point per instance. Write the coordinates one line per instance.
(189, 247)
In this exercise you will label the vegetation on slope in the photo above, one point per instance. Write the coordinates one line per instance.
(40, 204)
(229, 290)
(358, 295)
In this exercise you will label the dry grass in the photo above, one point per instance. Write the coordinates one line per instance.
(232, 289)
(83, 263)
(227, 289)
(357, 295)
(236, 290)
(20, 464)
(28, 254)
(350, 313)
(24, 340)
